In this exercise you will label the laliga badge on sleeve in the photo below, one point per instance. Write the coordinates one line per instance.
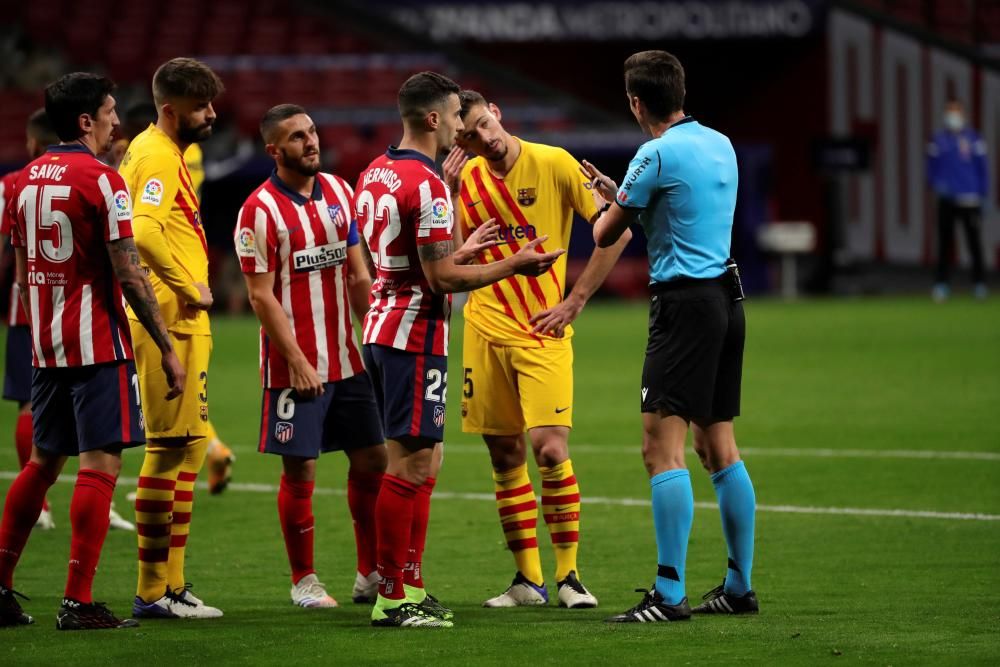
(152, 192)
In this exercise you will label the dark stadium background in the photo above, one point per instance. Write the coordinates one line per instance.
(785, 79)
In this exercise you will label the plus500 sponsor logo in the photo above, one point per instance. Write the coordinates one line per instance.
(320, 257)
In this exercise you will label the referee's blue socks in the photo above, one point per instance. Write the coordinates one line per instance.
(673, 512)
(737, 504)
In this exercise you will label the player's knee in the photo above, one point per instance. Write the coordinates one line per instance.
(550, 452)
(506, 451)
(657, 456)
(701, 449)
(51, 465)
(299, 469)
(369, 459)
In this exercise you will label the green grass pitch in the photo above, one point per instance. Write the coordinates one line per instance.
(847, 405)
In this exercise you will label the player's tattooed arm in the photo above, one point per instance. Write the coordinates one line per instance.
(137, 290)
(432, 252)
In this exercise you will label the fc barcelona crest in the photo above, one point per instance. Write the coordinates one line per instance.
(526, 196)
(283, 432)
(439, 415)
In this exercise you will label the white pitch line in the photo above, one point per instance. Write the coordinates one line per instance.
(780, 451)
(619, 502)
(788, 452)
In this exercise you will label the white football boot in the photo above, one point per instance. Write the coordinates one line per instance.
(311, 594)
(365, 588)
(521, 593)
(574, 595)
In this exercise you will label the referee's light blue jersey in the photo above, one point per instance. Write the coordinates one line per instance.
(684, 184)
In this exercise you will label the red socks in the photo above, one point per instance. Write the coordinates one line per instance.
(22, 438)
(394, 512)
(297, 524)
(418, 537)
(88, 514)
(362, 493)
(24, 503)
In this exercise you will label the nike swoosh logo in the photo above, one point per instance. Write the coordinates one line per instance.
(559, 410)
(473, 203)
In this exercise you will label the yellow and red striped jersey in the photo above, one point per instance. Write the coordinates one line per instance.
(536, 198)
(165, 208)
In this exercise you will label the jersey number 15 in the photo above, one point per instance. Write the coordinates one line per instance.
(35, 204)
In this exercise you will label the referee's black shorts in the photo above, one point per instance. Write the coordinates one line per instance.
(694, 357)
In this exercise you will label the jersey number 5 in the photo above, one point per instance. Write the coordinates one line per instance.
(39, 215)
(386, 212)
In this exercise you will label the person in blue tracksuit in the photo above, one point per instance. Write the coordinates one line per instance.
(958, 174)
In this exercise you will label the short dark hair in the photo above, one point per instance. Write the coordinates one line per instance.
(468, 99)
(185, 78)
(137, 118)
(422, 92)
(274, 116)
(656, 78)
(40, 128)
(72, 95)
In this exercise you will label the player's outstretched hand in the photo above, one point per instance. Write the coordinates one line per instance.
(305, 380)
(176, 375)
(553, 322)
(205, 298)
(602, 186)
(452, 168)
(482, 238)
(528, 261)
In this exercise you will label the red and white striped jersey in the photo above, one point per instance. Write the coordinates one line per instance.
(16, 317)
(66, 206)
(304, 241)
(401, 203)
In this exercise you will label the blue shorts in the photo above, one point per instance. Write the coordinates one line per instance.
(83, 408)
(343, 418)
(410, 391)
(17, 370)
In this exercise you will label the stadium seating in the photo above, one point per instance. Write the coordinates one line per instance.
(265, 52)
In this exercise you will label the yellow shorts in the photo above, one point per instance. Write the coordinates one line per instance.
(507, 390)
(186, 415)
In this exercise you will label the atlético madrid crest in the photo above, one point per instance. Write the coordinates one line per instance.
(526, 196)
(439, 415)
(334, 212)
(283, 432)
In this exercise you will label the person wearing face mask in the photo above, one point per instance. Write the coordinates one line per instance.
(957, 172)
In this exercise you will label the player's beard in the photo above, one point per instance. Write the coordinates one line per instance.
(192, 134)
(299, 165)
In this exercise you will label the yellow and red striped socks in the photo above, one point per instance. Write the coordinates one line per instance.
(154, 504)
(561, 509)
(88, 514)
(297, 525)
(180, 525)
(518, 511)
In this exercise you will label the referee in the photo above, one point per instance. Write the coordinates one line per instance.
(681, 186)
